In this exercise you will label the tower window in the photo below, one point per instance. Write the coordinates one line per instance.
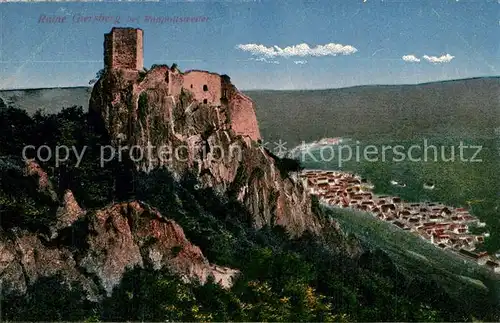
(205, 88)
(191, 85)
(205, 101)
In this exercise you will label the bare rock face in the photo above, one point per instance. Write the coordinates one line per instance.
(93, 250)
(119, 237)
(112, 249)
(11, 270)
(127, 235)
(24, 258)
(44, 185)
(164, 244)
(192, 136)
(38, 260)
(67, 214)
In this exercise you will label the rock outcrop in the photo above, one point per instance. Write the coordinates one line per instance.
(94, 249)
(131, 234)
(179, 132)
(44, 185)
(118, 238)
(66, 214)
(160, 122)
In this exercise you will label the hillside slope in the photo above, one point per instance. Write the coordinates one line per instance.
(46, 99)
(470, 105)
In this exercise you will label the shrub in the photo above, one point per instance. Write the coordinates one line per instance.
(158, 65)
(285, 165)
(98, 76)
(142, 74)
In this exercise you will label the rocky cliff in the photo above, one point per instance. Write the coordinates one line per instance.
(142, 110)
(94, 249)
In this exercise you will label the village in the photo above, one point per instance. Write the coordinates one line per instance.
(443, 226)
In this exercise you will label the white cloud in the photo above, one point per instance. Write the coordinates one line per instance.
(411, 58)
(432, 59)
(300, 62)
(300, 50)
(263, 59)
(436, 60)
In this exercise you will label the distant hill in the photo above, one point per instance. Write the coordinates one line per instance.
(469, 105)
(50, 100)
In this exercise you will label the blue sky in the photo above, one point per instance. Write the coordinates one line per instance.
(372, 38)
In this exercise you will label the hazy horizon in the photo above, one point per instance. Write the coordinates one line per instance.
(270, 89)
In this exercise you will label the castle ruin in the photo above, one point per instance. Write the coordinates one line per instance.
(123, 49)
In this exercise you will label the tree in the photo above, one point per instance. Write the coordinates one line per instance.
(50, 299)
(98, 75)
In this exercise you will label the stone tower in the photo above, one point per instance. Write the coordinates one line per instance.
(123, 48)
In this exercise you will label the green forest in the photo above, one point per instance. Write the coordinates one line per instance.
(282, 279)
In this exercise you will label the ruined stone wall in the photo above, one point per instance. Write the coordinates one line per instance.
(140, 50)
(195, 81)
(108, 50)
(175, 83)
(243, 117)
(227, 88)
(157, 76)
(123, 48)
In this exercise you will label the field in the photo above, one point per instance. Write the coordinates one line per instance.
(402, 111)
